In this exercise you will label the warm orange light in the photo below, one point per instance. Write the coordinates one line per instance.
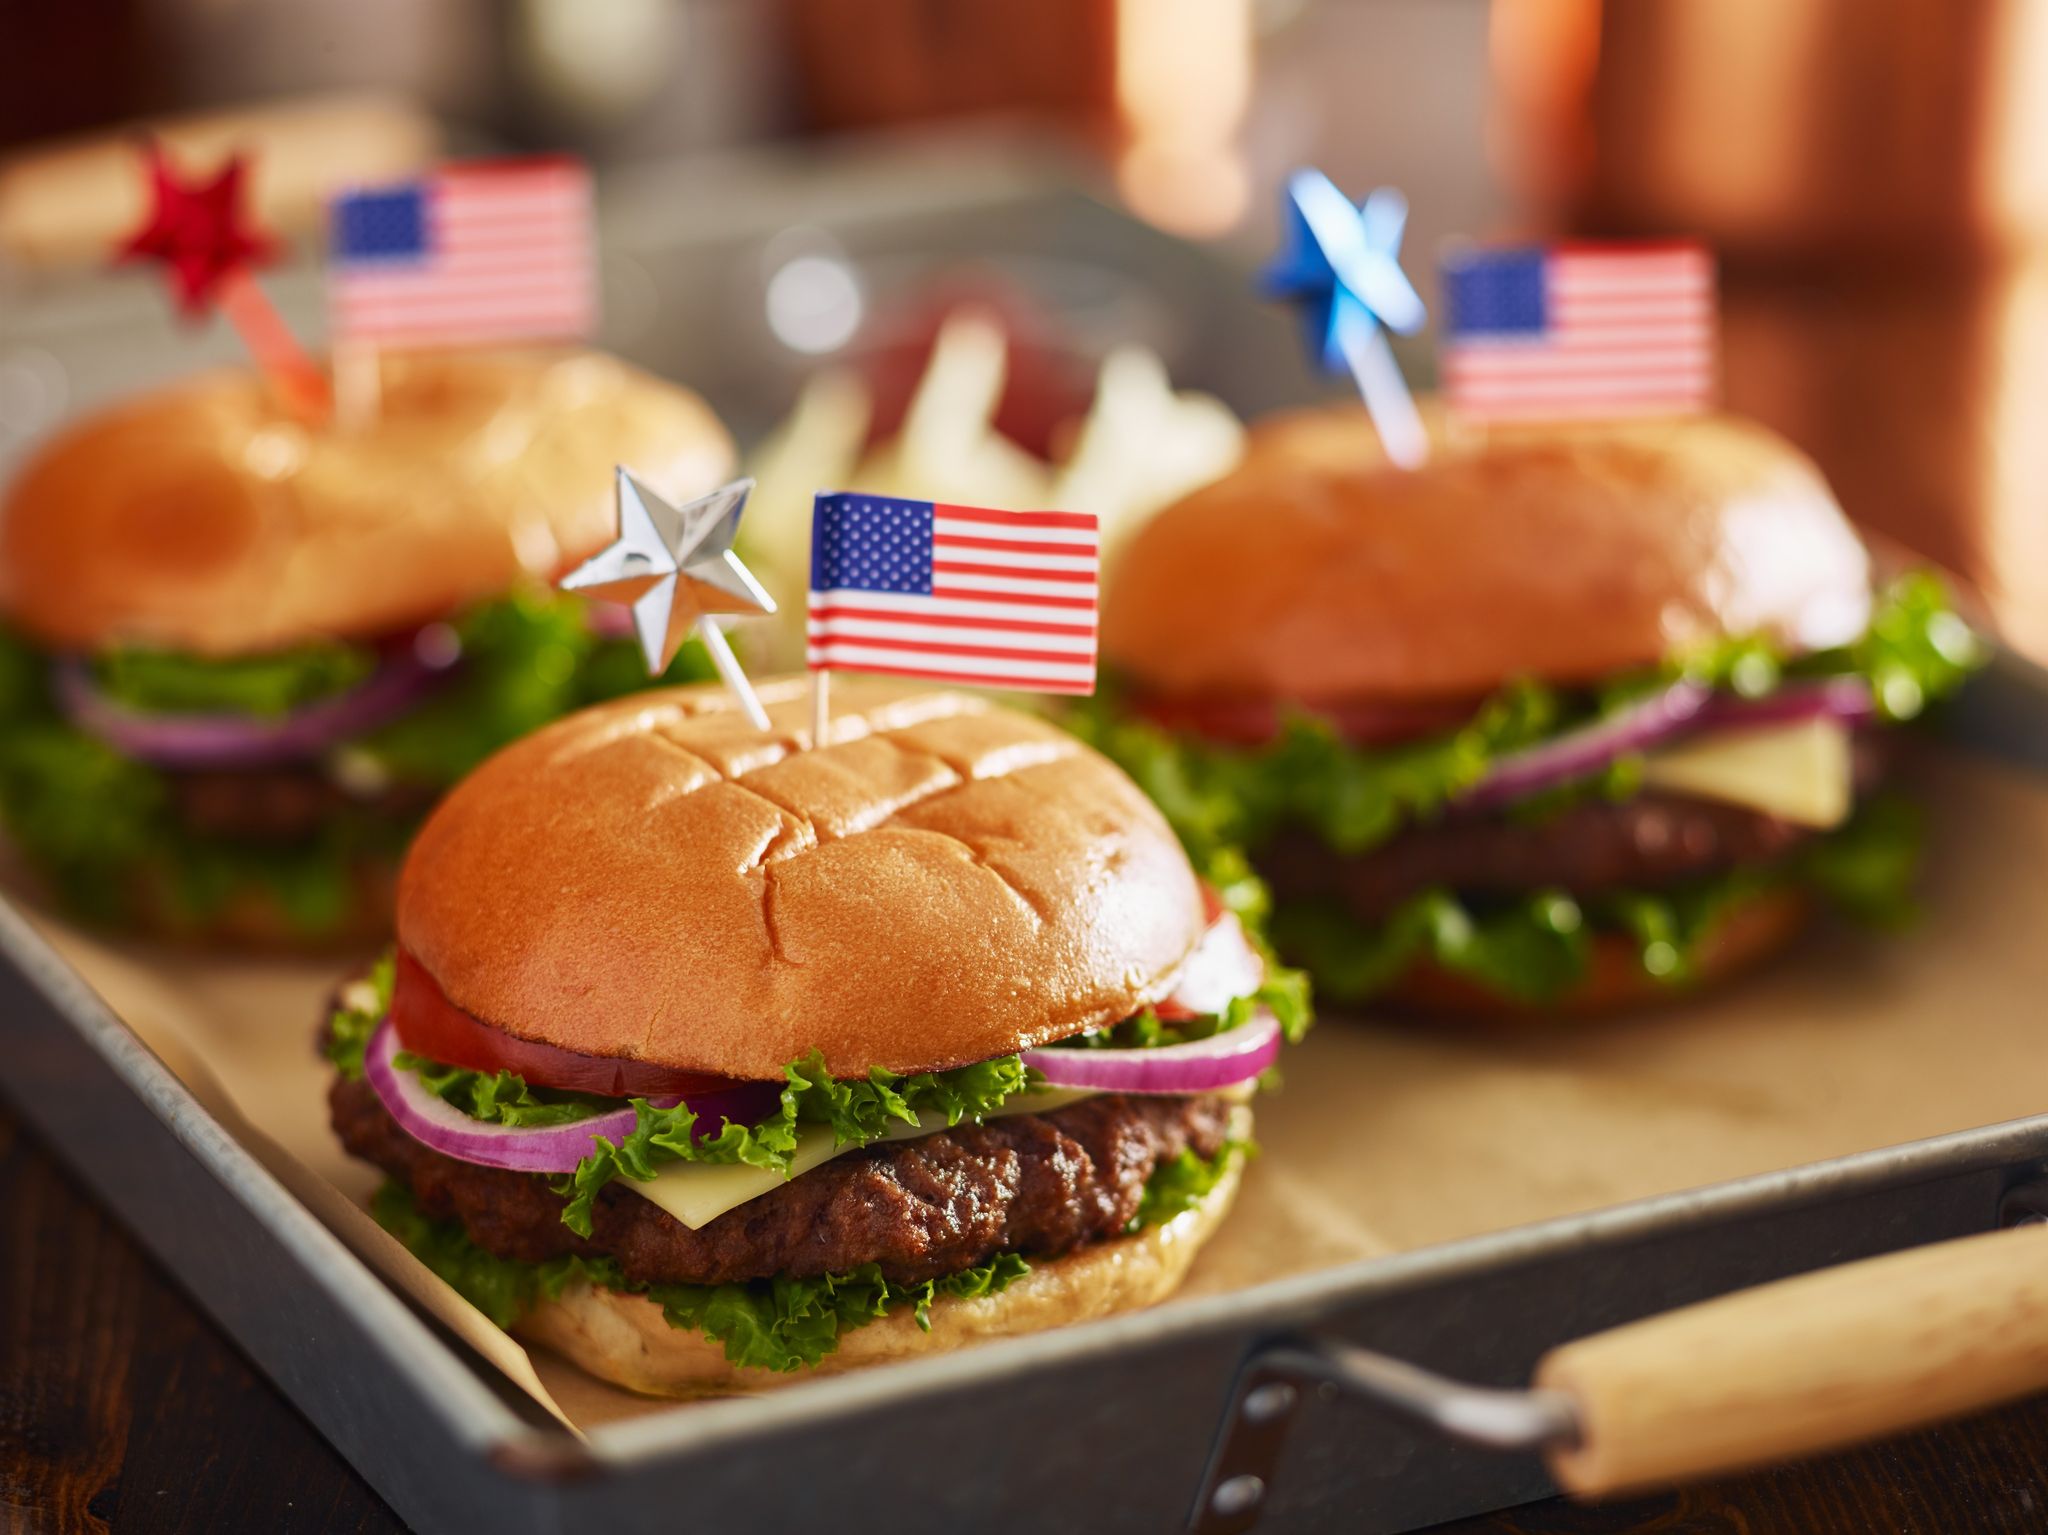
(1183, 78)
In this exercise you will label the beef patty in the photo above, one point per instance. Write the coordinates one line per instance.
(1644, 843)
(1029, 1183)
(279, 805)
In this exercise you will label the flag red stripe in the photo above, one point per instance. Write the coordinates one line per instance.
(1009, 572)
(933, 648)
(388, 295)
(1016, 519)
(1622, 359)
(951, 621)
(1009, 545)
(1023, 681)
(1022, 599)
(428, 317)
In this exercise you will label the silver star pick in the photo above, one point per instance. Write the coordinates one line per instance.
(674, 565)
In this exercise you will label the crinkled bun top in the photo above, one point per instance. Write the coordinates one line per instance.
(945, 882)
(205, 518)
(1318, 572)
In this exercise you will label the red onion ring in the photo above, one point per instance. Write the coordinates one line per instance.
(1200, 1066)
(441, 1126)
(1844, 698)
(609, 620)
(1684, 707)
(240, 740)
(1580, 752)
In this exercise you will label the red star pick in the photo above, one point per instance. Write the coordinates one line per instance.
(197, 230)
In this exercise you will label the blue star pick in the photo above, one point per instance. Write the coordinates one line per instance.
(1339, 263)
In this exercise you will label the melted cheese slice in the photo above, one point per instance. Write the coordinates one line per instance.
(697, 1193)
(1799, 772)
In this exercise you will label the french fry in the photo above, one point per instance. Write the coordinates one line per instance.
(1142, 446)
(815, 448)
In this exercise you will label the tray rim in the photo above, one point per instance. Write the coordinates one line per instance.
(2007, 710)
(401, 1334)
(458, 1393)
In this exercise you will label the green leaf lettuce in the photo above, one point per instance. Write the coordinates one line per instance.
(857, 1112)
(104, 830)
(1227, 802)
(265, 686)
(1534, 948)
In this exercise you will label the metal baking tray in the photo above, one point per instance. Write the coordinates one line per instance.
(1109, 1424)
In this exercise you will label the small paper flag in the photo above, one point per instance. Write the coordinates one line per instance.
(956, 594)
(498, 250)
(1578, 330)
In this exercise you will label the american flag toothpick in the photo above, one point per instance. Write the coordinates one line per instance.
(958, 594)
(487, 251)
(1578, 330)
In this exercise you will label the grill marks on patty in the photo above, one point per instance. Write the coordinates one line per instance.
(1039, 1184)
(1647, 842)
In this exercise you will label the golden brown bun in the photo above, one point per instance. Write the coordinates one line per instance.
(204, 518)
(654, 879)
(1317, 572)
(1615, 980)
(626, 1340)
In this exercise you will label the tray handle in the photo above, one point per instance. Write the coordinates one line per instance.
(1816, 1362)
(1812, 1363)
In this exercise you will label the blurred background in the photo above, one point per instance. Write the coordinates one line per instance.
(802, 189)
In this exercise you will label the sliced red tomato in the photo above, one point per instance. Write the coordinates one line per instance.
(429, 1024)
(1255, 721)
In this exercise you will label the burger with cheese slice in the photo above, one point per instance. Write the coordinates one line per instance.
(1569, 718)
(240, 655)
(709, 1057)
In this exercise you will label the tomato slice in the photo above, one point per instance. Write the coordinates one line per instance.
(429, 1024)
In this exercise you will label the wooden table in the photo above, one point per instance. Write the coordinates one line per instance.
(122, 1408)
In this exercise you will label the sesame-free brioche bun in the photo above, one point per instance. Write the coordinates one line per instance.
(1615, 980)
(654, 879)
(205, 518)
(626, 1340)
(1317, 572)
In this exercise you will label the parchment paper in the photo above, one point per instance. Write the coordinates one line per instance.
(1388, 1136)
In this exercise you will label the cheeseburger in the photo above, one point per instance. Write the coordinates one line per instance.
(708, 1058)
(240, 656)
(1565, 719)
